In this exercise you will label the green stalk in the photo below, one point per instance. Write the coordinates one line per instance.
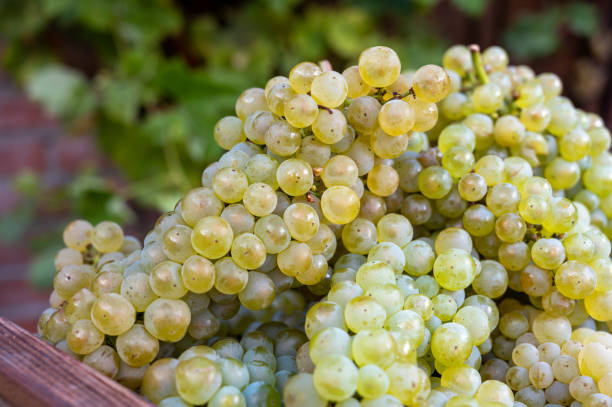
(477, 63)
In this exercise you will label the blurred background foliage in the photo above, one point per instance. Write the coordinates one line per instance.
(149, 78)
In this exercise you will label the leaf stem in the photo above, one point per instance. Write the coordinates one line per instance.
(477, 62)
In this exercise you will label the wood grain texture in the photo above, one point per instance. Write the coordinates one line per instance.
(35, 374)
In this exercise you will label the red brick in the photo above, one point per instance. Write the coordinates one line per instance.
(19, 113)
(20, 152)
(75, 153)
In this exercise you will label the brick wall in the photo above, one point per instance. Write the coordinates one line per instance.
(29, 139)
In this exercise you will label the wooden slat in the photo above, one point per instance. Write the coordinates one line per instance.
(35, 374)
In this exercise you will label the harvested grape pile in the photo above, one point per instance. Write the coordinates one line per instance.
(371, 238)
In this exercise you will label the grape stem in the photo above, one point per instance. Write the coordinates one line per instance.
(477, 62)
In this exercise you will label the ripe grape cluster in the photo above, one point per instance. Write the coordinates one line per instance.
(376, 237)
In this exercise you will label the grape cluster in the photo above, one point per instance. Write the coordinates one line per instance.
(354, 248)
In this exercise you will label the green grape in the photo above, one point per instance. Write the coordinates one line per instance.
(357, 87)
(79, 305)
(487, 305)
(575, 280)
(197, 379)
(261, 168)
(248, 251)
(529, 93)
(158, 381)
(452, 238)
(107, 237)
(435, 182)
(374, 273)
(508, 131)
(302, 221)
(327, 342)
(491, 168)
(561, 217)
(258, 293)
(396, 117)
(315, 273)
(452, 106)
(563, 115)
(551, 84)
(342, 146)
(137, 289)
(105, 360)
(273, 232)
(329, 89)
(362, 114)
(198, 203)
(302, 75)
(534, 209)
(364, 313)
(510, 228)
(198, 274)
(536, 117)
(228, 132)
(83, 337)
(382, 180)
(177, 243)
(503, 198)
(300, 391)
(562, 174)
(167, 319)
(294, 176)
(488, 98)
(495, 57)
(458, 161)
(575, 144)
(282, 139)
(230, 184)
(394, 228)
(324, 314)
(420, 258)
(492, 281)
(112, 314)
(603, 271)
(431, 83)
(548, 328)
(340, 204)
(66, 257)
(461, 379)
(451, 344)
(386, 146)
(379, 66)
(300, 111)
(107, 282)
(454, 269)
(472, 187)
(408, 383)
(513, 324)
(458, 59)
(228, 396)
(249, 102)
(239, 219)
(390, 253)
(444, 307)
(324, 242)
(600, 141)
(425, 113)
(408, 170)
(77, 234)
(166, 280)
(372, 381)
(417, 209)
(330, 126)
(277, 96)
(70, 279)
(296, 258)
(335, 378)
(456, 135)
(482, 126)
(342, 292)
(259, 199)
(372, 207)
(514, 257)
(494, 391)
(476, 321)
(230, 278)
(257, 124)
(478, 220)
(137, 347)
(420, 304)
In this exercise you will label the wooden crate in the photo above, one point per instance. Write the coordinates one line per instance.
(35, 374)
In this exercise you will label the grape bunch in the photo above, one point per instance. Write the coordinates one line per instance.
(376, 237)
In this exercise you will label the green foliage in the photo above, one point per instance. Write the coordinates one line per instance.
(536, 35)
